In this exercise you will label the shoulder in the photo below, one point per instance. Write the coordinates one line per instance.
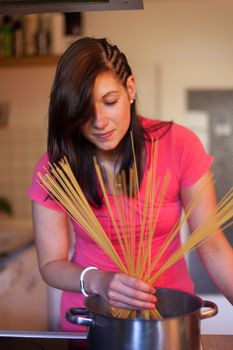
(185, 138)
(189, 154)
(42, 164)
(36, 191)
(180, 130)
(176, 133)
(44, 160)
(149, 122)
(154, 128)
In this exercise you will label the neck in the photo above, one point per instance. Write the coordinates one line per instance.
(110, 167)
(110, 160)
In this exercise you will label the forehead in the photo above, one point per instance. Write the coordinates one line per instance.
(106, 83)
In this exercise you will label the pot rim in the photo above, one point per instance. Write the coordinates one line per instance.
(197, 298)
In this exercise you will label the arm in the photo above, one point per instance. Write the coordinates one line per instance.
(216, 252)
(52, 243)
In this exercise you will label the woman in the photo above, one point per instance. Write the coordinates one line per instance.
(92, 112)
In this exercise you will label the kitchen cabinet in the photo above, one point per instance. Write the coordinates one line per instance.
(23, 294)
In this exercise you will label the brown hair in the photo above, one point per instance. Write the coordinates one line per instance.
(71, 106)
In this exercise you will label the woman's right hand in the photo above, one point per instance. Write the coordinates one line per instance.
(121, 290)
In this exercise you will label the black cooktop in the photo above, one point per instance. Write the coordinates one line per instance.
(42, 341)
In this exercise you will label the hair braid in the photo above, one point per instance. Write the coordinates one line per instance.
(116, 60)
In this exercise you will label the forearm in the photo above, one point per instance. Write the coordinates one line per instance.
(63, 275)
(118, 289)
(216, 252)
(217, 257)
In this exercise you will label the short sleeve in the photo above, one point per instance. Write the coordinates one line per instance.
(36, 192)
(191, 158)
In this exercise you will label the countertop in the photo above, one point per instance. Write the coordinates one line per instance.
(23, 340)
(74, 341)
(217, 342)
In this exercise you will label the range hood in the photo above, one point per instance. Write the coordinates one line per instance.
(39, 6)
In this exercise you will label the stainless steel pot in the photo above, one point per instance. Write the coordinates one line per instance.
(179, 330)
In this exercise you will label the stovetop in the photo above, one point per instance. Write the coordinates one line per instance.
(42, 341)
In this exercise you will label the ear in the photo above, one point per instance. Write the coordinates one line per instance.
(131, 87)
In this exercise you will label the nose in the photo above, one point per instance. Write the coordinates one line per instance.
(100, 121)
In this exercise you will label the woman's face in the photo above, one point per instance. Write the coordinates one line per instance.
(112, 112)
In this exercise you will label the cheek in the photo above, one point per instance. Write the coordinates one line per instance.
(123, 110)
(125, 117)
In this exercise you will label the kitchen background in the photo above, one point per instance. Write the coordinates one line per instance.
(182, 56)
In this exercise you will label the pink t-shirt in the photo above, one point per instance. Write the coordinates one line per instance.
(181, 153)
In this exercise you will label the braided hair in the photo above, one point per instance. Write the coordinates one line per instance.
(71, 106)
(116, 59)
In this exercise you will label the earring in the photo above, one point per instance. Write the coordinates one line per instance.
(132, 100)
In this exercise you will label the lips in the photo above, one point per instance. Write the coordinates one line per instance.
(104, 135)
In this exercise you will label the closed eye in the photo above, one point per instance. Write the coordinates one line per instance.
(110, 103)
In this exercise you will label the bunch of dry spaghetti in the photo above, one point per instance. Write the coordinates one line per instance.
(62, 185)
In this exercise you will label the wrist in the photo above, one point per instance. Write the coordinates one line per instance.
(85, 278)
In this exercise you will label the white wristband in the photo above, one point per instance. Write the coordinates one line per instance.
(82, 287)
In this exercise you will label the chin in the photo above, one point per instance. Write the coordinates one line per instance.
(108, 147)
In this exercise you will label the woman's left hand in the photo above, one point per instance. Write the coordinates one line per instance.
(121, 290)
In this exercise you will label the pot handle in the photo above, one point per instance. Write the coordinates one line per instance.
(212, 311)
(72, 315)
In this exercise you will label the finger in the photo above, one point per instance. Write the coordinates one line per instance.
(133, 288)
(137, 284)
(132, 297)
(119, 300)
(131, 293)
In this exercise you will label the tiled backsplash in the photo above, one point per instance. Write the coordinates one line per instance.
(20, 150)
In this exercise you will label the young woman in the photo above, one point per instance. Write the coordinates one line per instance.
(92, 112)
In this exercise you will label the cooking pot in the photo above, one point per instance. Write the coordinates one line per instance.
(179, 330)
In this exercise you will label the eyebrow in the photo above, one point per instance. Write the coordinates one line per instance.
(111, 92)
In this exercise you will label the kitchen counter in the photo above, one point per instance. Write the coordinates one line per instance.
(217, 342)
(77, 341)
(17, 340)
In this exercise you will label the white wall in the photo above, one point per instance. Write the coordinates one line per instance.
(24, 139)
(165, 31)
(175, 30)
(27, 90)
